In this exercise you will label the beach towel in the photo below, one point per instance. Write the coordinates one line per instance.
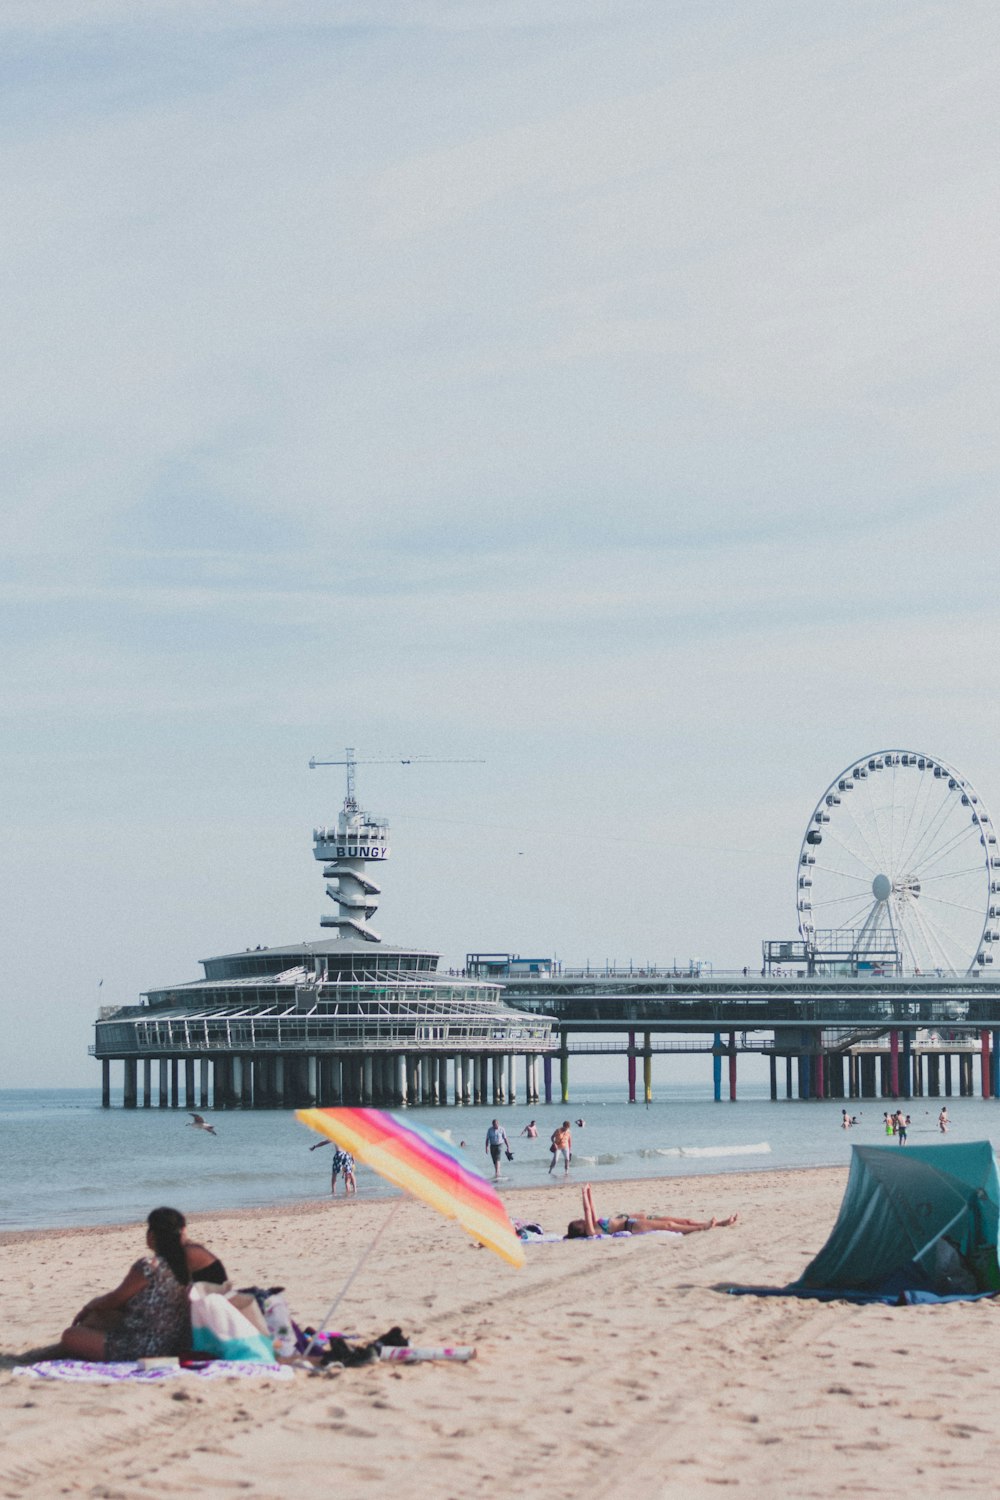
(94, 1371)
(223, 1331)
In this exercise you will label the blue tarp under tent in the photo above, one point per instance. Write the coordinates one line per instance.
(917, 1224)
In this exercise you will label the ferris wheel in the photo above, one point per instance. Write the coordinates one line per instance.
(899, 870)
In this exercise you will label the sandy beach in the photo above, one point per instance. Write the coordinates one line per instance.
(616, 1365)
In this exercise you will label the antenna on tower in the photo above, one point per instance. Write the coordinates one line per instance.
(351, 761)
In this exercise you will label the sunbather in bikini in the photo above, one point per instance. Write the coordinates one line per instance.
(591, 1227)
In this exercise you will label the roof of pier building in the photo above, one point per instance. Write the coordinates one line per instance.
(334, 956)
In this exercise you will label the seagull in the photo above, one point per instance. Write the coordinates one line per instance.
(198, 1123)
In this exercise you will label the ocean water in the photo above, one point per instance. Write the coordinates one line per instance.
(69, 1162)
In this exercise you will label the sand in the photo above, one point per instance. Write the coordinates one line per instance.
(607, 1368)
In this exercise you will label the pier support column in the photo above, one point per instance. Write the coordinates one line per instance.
(246, 1083)
(547, 1076)
(820, 1075)
(511, 1079)
(564, 1073)
(647, 1068)
(175, 1083)
(366, 1079)
(995, 1074)
(497, 1070)
(147, 1081)
(894, 1064)
(631, 1067)
(789, 1094)
(105, 1083)
(312, 1081)
(189, 1094)
(717, 1068)
(235, 1090)
(279, 1082)
(947, 1075)
(427, 1080)
(933, 1075)
(984, 1064)
(917, 1070)
(906, 1081)
(732, 1067)
(203, 1081)
(965, 1074)
(805, 1091)
(772, 1064)
(163, 1083)
(129, 1087)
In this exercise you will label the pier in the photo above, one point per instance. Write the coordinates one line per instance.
(843, 1037)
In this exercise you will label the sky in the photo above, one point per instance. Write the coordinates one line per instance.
(599, 396)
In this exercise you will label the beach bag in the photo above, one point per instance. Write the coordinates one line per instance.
(223, 1331)
(277, 1316)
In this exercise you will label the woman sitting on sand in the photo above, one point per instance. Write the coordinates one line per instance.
(591, 1227)
(147, 1314)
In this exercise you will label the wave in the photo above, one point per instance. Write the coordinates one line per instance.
(605, 1159)
(759, 1148)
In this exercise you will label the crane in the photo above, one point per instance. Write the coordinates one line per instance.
(350, 761)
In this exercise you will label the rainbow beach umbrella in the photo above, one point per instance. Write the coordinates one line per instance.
(425, 1165)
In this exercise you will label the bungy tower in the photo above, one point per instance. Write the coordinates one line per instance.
(344, 1020)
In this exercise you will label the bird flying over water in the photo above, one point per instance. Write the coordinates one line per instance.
(198, 1122)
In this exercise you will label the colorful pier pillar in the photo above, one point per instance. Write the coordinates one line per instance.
(717, 1067)
(907, 1078)
(984, 1046)
(820, 1074)
(996, 1065)
(894, 1064)
(647, 1067)
(564, 1066)
(547, 1076)
(732, 1067)
(631, 1067)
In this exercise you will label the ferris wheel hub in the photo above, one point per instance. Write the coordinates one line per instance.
(881, 887)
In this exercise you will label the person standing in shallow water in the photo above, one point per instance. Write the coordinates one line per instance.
(561, 1145)
(496, 1144)
(943, 1121)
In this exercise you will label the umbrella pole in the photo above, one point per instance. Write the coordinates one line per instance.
(347, 1284)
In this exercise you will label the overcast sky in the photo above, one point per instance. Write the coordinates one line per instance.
(606, 390)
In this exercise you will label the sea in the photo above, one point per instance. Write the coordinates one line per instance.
(68, 1162)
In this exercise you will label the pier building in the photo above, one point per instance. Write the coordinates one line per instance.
(344, 1020)
(887, 992)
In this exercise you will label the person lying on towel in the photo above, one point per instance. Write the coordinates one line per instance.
(591, 1227)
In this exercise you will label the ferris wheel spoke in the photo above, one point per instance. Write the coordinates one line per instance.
(853, 853)
(927, 849)
(933, 937)
(873, 824)
(842, 874)
(937, 852)
(852, 896)
(850, 807)
(943, 901)
(953, 874)
(919, 816)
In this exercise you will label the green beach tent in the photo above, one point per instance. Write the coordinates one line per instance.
(920, 1218)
